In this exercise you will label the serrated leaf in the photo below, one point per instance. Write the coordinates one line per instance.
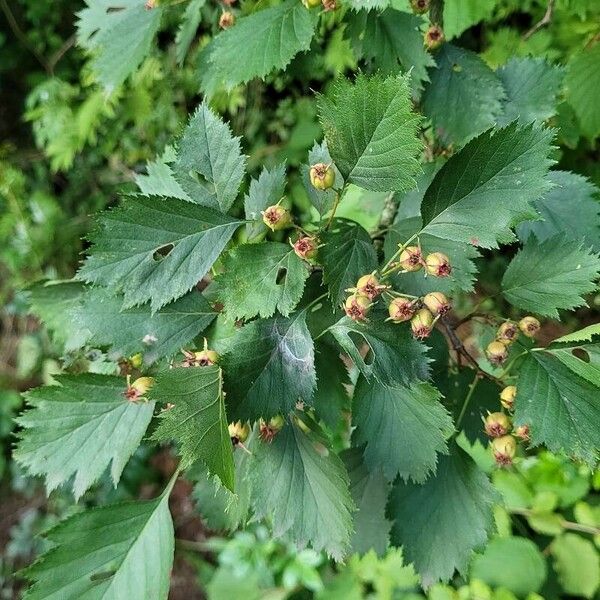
(258, 279)
(486, 188)
(395, 358)
(459, 15)
(551, 275)
(78, 428)
(531, 86)
(369, 490)
(450, 512)
(196, 420)
(331, 396)
(122, 552)
(371, 132)
(403, 428)
(159, 179)
(346, 253)
(583, 334)
(464, 95)
(577, 564)
(303, 491)
(187, 28)
(390, 42)
(322, 200)
(192, 237)
(270, 365)
(103, 323)
(368, 4)
(582, 82)
(265, 191)
(210, 165)
(119, 36)
(560, 407)
(270, 38)
(569, 207)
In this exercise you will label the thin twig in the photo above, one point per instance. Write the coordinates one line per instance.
(524, 512)
(56, 57)
(545, 20)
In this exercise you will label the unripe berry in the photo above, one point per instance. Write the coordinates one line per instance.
(202, 358)
(497, 424)
(438, 264)
(357, 306)
(138, 388)
(276, 217)
(401, 309)
(437, 303)
(411, 258)
(322, 176)
(238, 432)
(421, 324)
(311, 3)
(369, 286)
(522, 432)
(419, 7)
(529, 326)
(268, 431)
(434, 37)
(306, 247)
(504, 449)
(507, 333)
(507, 397)
(136, 360)
(496, 353)
(226, 20)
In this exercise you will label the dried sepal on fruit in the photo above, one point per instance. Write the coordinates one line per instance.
(322, 176)
(238, 432)
(522, 432)
(138, 389)
(226, 20)
(200, 358)
(422, 323)
(507, 332)
(438, 264)
(504, 449)
(306, 247)
(276, 217)
(497, 424)
(434, 37)
(496, 353)
(369, 286)
(401, 309)
(529, 326)
(268, 430)
(419, 7)
(411, 259)
(437, 303)
(357, 306)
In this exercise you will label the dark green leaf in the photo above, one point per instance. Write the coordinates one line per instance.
(331, 396)
(187, 28)
(265, 191)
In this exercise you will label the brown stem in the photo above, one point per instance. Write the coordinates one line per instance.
(545, 20)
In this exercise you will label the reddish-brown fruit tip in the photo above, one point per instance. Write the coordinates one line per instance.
(401, 309)
(226, 20)
(434, 37)
(437, 303)
(357, 306)
(411, 258)
(369, 286)
(522, 432)
(268, 431)
(438, 264)
(496, 353)
(306, 247)
(421, 323)
(138, 388)
(497, 424)
(504, 449)
(276, 217)
(507, 332)
(529, 326)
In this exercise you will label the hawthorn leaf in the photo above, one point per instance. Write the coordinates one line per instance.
(403, 428)
(459, 15)
(118, 35)
(265, 191)
(187, 28)
(322, 200)
(584, 334)
(546, 276)
(270, 38)
(582, 359)
(395, 357)
(532, 86)
(258, 279)
(371, 132)
(269, 366)
(487, 187)
(577, 564)
(464, 96)
(331, 396)
(304, 492)
(78, 428)
(560, 407)
(368, 4)
(160, 179)
(450, 512)
(170, 245)
(102, 321)
(569, 207)
(369, 490)
(197, 420)
(582, 81)
(346, 253)
(210, 165)
(121, 551)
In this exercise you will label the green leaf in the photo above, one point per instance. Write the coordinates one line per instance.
(210, 165)
(583, 334)
(187, 28)
(570, 208)
(270, 38)
(369, 490)
(551, 275)
(395, 357)
(197, 419)
(560, 407)
(403, 428)
(270, 365)
(258, 279)
(331, 396)
(80, 427)
(160, 180)
(123, 552)
(118, 35)
(391, 42)
(346, 254)
(371, 132)
(531, 86)
(582, 82)
(513, 563)
(451, 512)
(459, 15)
(131, 241)
(464, 96)
(486, 188)
(103, 323)
(577, 564)
(322, 200)
(368, 4)
(304, 492)
(265, 191)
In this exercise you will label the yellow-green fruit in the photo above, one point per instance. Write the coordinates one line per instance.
(276, 217)
(322, 176)
(434, 37)
(419, 7)
(136, 360)
(401, 309)
(497, 424)
(205, 358)
(438, 264)
(369, 286)
(226, 20)
(507, 397)
(437, 303)
(522, 432)
(507, 332)
(504, 449)
(496, 353)
(529, 326)
(357, 306)
(411, 259)
(421, 323)
(306, 247)
(311, 3)
(239, 432)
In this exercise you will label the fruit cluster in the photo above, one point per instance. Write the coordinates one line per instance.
(507, 333)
